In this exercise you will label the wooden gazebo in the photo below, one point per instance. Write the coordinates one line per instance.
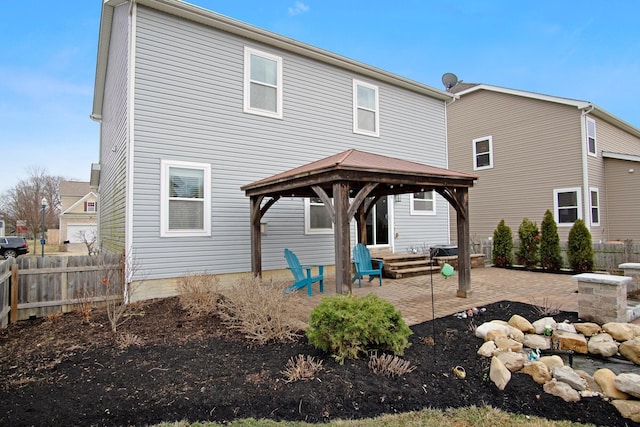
(349, 178)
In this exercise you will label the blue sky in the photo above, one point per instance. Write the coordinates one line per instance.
(588, 50)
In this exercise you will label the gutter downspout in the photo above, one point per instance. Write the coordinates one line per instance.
(446, 159)
(586, 197)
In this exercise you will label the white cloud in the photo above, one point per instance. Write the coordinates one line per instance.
(298, 9)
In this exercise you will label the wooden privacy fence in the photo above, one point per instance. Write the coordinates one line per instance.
(33, 286)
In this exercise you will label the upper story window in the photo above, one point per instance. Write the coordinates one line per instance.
(591, 137)
(423, 203)
(185, 199)
(567, 205)
(90, 206)
(595, 206)
(316, 218)
(366, 118)
(483, 153)
(262, 83)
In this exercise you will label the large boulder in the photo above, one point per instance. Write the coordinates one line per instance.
(487, 349)
(628, 383)
(606, 378)
(538, 371)
(540, 324)
(499, 373)
(566, 327)
(534, 341)
(629, 409)
(619, 331)
(522, 324)
(511, 360)
(552, 361)
(508, 344)
(567, 375)
(602, 344)
(561, 390)
(631, 350)
(481, 331)
(588, 329)
(570, 341)
(592, 385)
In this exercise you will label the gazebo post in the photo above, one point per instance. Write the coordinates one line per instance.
(341, 235)
(464, 257)
(256, 237)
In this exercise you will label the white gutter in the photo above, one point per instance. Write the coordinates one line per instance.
(586, 196)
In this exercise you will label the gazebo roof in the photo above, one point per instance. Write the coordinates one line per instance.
(359, 168)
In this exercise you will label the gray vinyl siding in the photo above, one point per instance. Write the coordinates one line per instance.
(114, 139)
(623, 199)
(536, 149)
(188, 106)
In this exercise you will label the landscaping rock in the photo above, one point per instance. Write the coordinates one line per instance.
(512, 361)
(606, 380)
(619, 331)
(561, 390)
(552, 362)
(494, 334)
(487, 349)
(570, 341)
(588, 329)
(628, 383)
(534, 341)
(631, 350)
(602, 344)
(521, 323)
(499, 374)
(566, 327)
(540, 324)
(628, 408)
(508, 344)
(591, 383)
(481, 331)
(538, 371)
(567, 375)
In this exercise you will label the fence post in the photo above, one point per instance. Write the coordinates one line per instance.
(13, 318)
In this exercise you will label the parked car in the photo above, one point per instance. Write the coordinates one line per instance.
(11, 246)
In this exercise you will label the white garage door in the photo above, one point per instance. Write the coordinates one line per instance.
(75, 233)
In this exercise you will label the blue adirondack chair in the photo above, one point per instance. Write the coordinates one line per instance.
(364, 267)
(302, 274)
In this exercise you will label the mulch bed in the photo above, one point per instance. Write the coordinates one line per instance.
(64, 371)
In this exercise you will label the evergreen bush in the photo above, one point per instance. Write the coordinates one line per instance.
(580, 248)
(550, 254)
(529, 236)
(348, 325)
(502, 245)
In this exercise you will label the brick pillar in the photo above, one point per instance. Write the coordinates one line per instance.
(602, 298)
(631, 269)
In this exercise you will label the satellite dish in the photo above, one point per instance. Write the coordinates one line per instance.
(449, 80)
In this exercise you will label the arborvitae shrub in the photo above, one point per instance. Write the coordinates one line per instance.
(580, 248)
(529, 236)
(550, 254)
(502, 245)
(347, 326)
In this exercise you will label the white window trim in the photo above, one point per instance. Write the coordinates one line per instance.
(421, 212)
(307, 221)
(475, 154)
(578, 192)
(356, 129)
(595, 138)
(91, 206)
(597, 191)
(247, 84)
(164, 199)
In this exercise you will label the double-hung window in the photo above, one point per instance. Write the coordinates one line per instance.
(90, 206)
(595, 206)
(316, 218)
(185, 201)
(591, 137)
(423, 203)
(567, 205)
(366, 117)
(262, 83)
(483, 153)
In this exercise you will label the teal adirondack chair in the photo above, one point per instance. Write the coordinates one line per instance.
(364, 267)
(302, 274)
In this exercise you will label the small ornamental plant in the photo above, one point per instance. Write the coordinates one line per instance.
(550, 255)
(347, 326)
(502, 245)
(580, 248)
(529, 236)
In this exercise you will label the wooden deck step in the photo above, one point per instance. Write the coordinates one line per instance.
(399, 264)
(411, 272)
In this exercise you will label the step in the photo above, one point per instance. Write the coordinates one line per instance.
(410, 272)
(400, 264)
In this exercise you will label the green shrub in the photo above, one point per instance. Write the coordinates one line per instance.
(348, 325)
(550, 255)
(502, 245)
(580, 248)
(529, 236)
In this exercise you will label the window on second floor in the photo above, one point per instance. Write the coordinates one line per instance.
(595, 206)
(366, 118)
(316, 217)
(90, 206)
(262, 83)
(185, 199)
(591, 137)
(483, 153)
(423, 203)
(567, 205)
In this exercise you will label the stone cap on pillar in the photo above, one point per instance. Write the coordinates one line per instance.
(607, 279)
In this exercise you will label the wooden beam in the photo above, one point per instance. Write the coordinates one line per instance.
(464, 251)
(342, 236)
(326, 200)
(256, 238)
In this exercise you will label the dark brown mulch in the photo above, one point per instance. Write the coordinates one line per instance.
(65, 372)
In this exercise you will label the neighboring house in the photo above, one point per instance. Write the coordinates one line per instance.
(534, 152)
(193, 105)
(78, 217)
